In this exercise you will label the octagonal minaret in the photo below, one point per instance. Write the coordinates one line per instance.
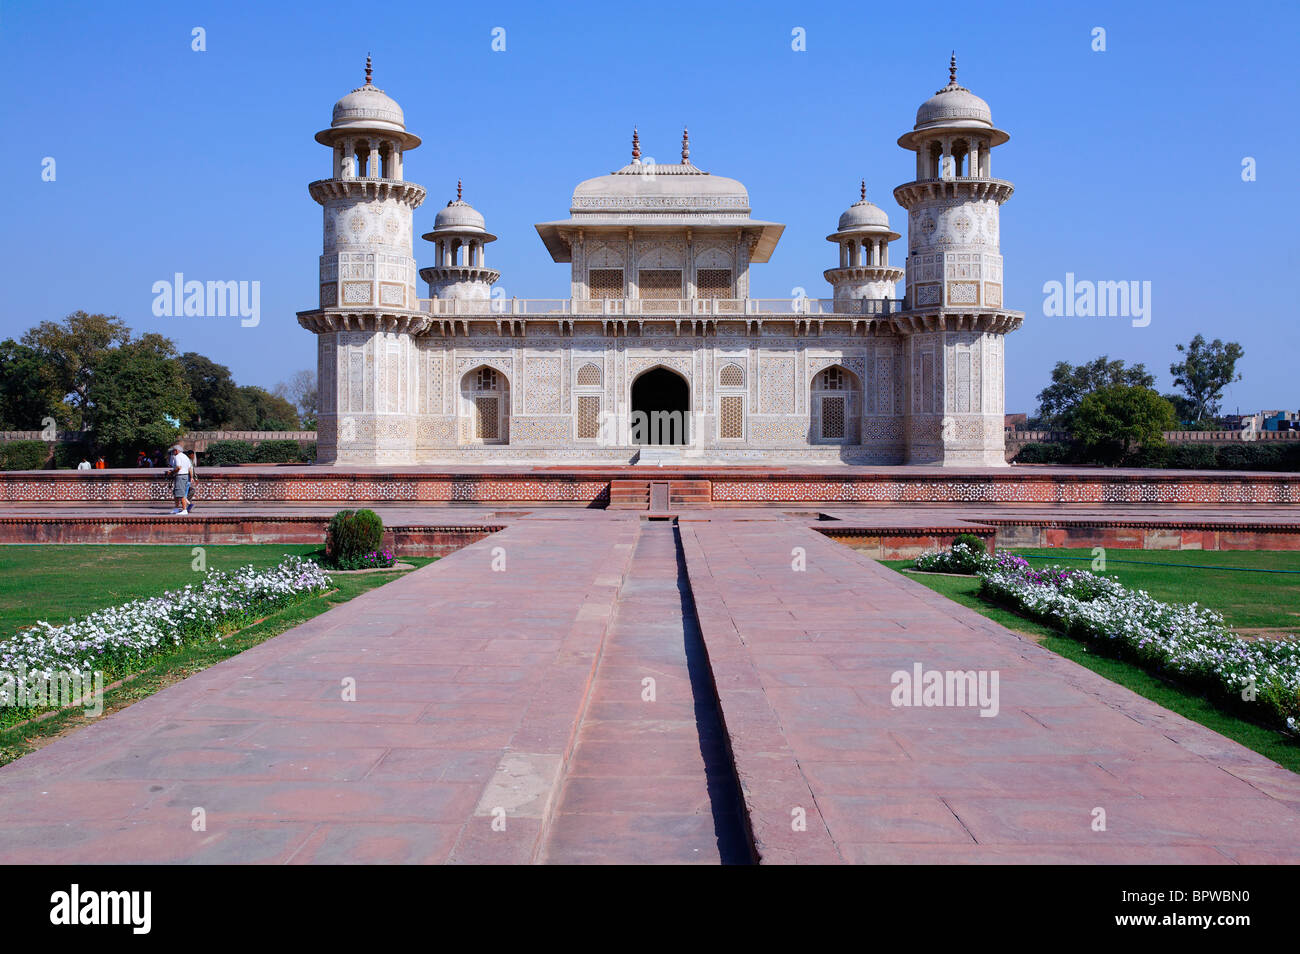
(368, 307)
(953, 321)
(863, 237)
(459, 236)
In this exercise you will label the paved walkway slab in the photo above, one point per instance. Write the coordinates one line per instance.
(651, 780)
(804, 636)
(499, 718)
(469, 674)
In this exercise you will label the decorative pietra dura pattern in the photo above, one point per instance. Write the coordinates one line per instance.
(729, 486)
(660, 255)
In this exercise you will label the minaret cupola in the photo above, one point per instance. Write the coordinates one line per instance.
(459, 236)
(863, 237)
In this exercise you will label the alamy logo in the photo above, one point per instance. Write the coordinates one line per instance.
(103, 907)
(52, 690)
(193, 299)
(1089, 299)
(955, 688)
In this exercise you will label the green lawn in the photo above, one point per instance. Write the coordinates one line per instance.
(1247, 597)
(1219, 590)
(58, 582)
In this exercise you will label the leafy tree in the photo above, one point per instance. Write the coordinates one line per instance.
(137, 391)
(216, 398)
(300, 390)
(1183, 409)
(72, 348)
(1071, 384)
(1116, 419)
(29, 391)
(1206, 369)
(256, 409)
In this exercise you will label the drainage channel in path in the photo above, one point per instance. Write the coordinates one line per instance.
(651, 780)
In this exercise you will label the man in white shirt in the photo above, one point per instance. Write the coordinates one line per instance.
(84, 465)
(181, 471)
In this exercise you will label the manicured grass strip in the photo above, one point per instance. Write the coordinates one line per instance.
(1246, 600)
(57, 582)
(166, 670)
(1267, 742)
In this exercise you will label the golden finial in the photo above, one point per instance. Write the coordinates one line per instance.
(952, 69)
(686, 146)
(636, 146)
(863, 190)
(368, 69)
(458, 190)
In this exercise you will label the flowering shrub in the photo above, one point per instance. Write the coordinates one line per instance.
(1188, 642)
(964, 558)
(352, 535)
(121, 639)
(374, 560)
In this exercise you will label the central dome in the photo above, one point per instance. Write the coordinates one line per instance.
(651, 187)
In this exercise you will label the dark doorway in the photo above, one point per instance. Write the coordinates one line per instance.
(661, 408)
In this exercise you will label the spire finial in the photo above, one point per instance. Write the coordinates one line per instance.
(368, 69)
(686, 146)
(864, 190)
(952, 69)
(636, 146)
(458, 190)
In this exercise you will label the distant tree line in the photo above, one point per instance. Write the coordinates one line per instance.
(1115, 415)
(90, 373)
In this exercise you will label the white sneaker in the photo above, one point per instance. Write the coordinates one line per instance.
(177, 513)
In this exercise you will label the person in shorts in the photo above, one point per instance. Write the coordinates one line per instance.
(182, 470)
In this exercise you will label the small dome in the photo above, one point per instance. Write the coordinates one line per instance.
(367, 109)
(953, 105)
(863, 213)
(459, 214)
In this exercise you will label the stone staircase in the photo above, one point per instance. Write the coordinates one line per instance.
(659, 496)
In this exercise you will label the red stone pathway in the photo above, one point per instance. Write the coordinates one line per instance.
(469, 682)
(515, 696)
(651, 781)
(803, 662)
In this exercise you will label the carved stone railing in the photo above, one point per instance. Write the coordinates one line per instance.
(695, 307)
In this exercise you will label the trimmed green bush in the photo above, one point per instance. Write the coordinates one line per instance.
(228, 453)
(970, 540)
(351, 537)
(1043, 454)
(1193, 457)
(278, 452)
(24, 455)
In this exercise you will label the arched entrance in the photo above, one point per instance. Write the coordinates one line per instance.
(661, 408)
(834, 406)
(484, 407)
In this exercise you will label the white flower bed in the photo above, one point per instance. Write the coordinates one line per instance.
(1188, 641)
(119, 639)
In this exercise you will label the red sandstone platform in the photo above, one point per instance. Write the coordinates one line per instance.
(515, 696)
(629, 486)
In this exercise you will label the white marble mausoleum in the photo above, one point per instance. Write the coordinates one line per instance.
(660, 353)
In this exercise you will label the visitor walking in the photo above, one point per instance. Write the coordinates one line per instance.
(84, 465)
(180, 474)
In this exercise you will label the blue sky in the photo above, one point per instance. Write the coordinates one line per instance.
(1127, 163)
